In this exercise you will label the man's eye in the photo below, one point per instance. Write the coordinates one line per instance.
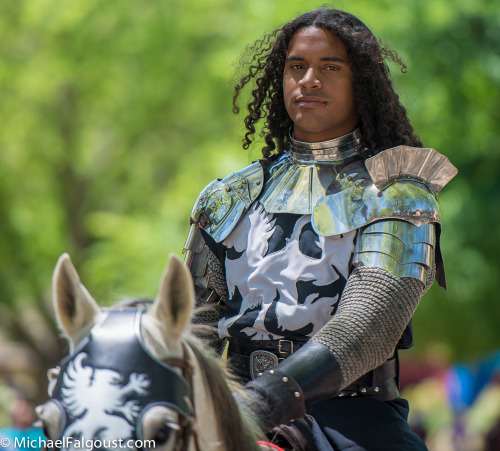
(297, 66)
(332, 68)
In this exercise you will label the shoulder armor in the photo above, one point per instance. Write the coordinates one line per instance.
(221, 204)
(399, 183)
(425, 165)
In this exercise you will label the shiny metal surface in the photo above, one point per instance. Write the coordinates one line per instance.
(402, 249)
(307, 173)
(338, 150)
(194, 240)
(196, 258)
(294, 187)
(388, 244)
(221, 204)
(361, 205)
(392, 266)
(407, 233)
(426, 165)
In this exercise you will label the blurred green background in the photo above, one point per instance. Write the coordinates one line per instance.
(114, 115)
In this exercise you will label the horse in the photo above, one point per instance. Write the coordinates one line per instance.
(137, 377)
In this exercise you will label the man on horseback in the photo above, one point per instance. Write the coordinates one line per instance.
(312, 260)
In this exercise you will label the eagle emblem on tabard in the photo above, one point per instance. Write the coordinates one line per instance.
(261, 361)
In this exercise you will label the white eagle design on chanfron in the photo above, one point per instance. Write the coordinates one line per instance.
(104, 393)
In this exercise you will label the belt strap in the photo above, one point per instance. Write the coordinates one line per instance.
(282, 347)
(380, 382)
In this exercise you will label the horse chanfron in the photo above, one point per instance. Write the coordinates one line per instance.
(135, 377)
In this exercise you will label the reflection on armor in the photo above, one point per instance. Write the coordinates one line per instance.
(399, 183)
(360, 205)
(221, 204)
(398, 247)
(295, 186)
(309, 172)
(426, 165)
(196, 258)
(341, 150)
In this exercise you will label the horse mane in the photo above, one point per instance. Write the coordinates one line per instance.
(241, 430)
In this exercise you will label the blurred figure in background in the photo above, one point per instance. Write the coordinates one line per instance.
(22, 434)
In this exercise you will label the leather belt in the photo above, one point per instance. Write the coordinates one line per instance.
(282, 347)
(382, 382)
(250, 357)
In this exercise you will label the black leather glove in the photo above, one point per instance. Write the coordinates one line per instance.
(274, 398)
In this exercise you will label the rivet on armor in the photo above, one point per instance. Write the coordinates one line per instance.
(243, 181)
(355, 262)
(341, 394)
(228, 189)
(260, 374)
(379, 194)
(354, 394)
(284, 379)
(376, 389)
(356, 184)
(363, 390)
(417, 213)
(258, 183)
(349, 178)
(342, 176)
(297, 394)
(271, 372)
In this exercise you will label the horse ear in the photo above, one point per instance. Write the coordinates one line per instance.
(175, 300)
(74, 306)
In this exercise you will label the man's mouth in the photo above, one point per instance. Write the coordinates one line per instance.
(309, 101)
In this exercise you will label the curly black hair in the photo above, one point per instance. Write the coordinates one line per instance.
(384, 122)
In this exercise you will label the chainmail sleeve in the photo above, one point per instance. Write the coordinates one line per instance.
(372, 314)
(209, 304)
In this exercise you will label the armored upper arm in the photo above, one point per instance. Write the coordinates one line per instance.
(393, 203)
(399, 247)
(207, 271)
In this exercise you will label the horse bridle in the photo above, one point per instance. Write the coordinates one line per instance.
(186, 431)
(172, 377)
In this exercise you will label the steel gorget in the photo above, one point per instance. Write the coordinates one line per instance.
(301, 177)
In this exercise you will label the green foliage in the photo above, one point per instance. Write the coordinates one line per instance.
(116, 114)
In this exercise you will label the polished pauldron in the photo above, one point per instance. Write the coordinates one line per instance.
(400, 248)
(363, 204)
(221, 204)
(398, 183)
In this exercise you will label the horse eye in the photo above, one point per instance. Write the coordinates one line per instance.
(162, 435)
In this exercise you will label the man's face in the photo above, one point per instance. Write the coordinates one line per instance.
(317, 86)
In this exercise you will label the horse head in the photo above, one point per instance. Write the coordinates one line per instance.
(135, 377)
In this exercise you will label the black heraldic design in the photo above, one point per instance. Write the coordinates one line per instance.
(283, 279)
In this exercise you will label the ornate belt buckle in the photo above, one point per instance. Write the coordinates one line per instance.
(261, 361)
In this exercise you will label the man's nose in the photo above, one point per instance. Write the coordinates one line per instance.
(310, 79)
